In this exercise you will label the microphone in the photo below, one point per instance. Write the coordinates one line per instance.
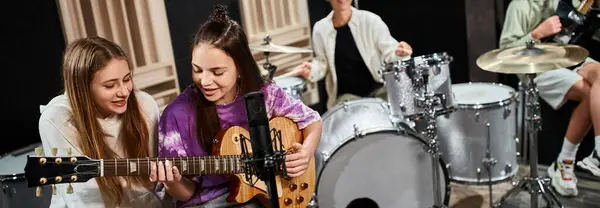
(262, 145)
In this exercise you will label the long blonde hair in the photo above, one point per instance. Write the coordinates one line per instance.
(82, 59)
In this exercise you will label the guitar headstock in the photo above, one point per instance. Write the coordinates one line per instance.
(41, 170)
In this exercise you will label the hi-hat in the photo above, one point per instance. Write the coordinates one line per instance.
(271, 47)
(532, 58)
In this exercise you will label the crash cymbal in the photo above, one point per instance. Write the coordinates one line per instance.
(271, 47)
(532, 58)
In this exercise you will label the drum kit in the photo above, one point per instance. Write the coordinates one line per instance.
(405, 151)
(291, 83)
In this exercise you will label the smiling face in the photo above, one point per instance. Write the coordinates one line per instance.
(111, 87)
(215, 73)
(340, 5)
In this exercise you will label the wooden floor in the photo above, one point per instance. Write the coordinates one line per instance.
(474, 196)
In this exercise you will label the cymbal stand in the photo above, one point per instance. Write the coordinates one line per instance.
(267, 65)
(428, 100)
(533, 183)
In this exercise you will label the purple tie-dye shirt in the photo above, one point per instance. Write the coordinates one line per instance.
(177, 132)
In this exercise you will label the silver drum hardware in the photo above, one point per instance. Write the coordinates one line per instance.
(478, 140)
(405, 83)
(294, 86)
(364, 159)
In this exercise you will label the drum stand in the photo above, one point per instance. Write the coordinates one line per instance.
(428, 101)
(489, 162)
(533, 183)
(267, 65)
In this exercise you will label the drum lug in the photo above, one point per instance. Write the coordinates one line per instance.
(508, 169)
(517, 141)
(345, 105)
(478, 175)
(436, 69)
(325, 156)
(385, 105)
(313, 202)
(477, 116)
(397, 75)
(357, 132)
(449, 168)
(506, 111)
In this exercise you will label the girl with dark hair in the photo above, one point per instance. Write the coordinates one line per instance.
(223, 70)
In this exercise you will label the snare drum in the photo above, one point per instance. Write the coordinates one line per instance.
(403, 78)
(365, 159)
(294, 86)
(15, 192)
(463, 133)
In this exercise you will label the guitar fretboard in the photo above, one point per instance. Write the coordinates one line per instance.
(224, 164)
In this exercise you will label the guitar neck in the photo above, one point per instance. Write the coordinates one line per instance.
(200, 165)
(584, 6)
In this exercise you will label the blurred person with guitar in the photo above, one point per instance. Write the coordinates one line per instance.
(528, 20)
(100, 115)
(350, 45)
(223, 71)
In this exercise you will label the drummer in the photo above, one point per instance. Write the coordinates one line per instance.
(532, 20)
(350, 67)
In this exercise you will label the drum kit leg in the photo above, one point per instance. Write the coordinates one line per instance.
(428, 101)
(534, 183)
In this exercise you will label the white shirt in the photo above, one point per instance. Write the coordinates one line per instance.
(57, 130)
(373, 40)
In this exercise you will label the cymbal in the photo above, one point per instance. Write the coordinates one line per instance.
(271, 47)
(532, 58)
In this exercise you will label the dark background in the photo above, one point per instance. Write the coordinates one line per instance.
(33, 42)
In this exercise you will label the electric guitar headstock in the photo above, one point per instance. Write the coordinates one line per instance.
(42, 171)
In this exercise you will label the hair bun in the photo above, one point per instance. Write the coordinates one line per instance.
(220, 14)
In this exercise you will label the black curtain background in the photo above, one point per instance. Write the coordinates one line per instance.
(34, 45)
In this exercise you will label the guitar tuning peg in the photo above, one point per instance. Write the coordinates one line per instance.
(39, 151)
(53, 189)
(38, 191)
(68, 151)
(54, 151)
(69, 189)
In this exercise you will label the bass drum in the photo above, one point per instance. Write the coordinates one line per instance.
(364, 160)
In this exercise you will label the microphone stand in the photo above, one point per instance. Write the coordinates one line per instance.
(267, 162)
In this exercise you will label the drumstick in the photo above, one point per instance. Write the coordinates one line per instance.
(290, 73)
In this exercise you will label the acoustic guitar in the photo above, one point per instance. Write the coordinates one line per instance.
(227, 159)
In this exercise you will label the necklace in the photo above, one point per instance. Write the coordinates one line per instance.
(237, 93)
